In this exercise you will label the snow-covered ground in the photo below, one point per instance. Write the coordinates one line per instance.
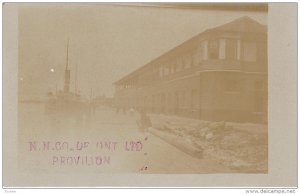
(242, 147)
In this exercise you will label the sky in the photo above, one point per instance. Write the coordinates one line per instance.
(106, 42)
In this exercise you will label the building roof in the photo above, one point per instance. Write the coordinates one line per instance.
(243, 25)
(261, 7)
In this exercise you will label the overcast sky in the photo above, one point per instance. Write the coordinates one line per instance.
(106, 42)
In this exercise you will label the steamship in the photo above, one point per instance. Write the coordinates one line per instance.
(66, 104)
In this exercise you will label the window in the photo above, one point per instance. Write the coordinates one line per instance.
(222, 48)
(179, 65)
(195, 58)
(200, 53)
(213, 50)
(231, 49)
(161, 71)
(166, 70)
(249, 51)
(172, 68)
(187, 61)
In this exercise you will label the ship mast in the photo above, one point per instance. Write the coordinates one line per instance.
(67, 59)
(67, 72)
(76, 78)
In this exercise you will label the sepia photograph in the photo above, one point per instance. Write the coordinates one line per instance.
(116, 88)
(142, 88)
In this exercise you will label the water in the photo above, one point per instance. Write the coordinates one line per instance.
(43, 148)
(44, 141)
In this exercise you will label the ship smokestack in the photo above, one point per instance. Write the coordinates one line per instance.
(67, 81)
(67, 72)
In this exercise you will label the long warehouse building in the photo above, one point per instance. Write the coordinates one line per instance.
(219, 75)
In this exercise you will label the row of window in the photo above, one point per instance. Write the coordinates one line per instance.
(219, 49)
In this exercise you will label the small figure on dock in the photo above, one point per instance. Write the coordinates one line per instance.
(144, 122)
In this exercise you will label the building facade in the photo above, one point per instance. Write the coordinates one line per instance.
(219, 75)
